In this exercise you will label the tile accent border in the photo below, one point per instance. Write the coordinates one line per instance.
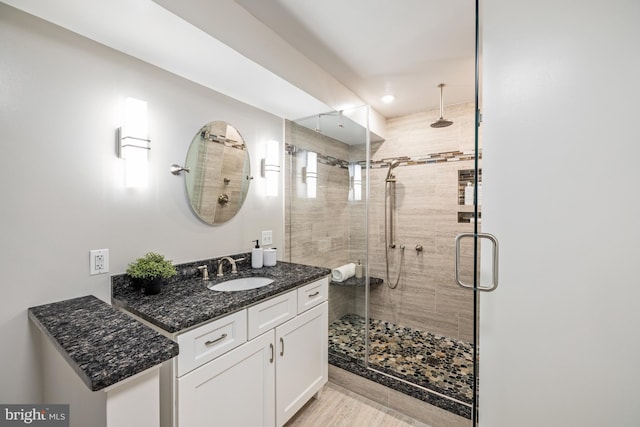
(432, 158)
(290, 150)
(222, 140)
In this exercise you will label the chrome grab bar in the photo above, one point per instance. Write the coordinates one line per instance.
(494, 273)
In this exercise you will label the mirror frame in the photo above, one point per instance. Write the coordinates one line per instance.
(220, 173)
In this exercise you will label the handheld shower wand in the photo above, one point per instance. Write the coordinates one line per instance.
(392, 165)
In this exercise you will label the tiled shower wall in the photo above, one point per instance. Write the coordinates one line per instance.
(329, 230)
(427, 296)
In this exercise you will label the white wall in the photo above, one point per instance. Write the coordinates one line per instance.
(61, 183)
(561, 143)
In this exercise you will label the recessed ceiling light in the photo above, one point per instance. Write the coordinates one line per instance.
(387, 99)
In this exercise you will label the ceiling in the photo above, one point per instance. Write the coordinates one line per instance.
(302, 57)
(377, 47)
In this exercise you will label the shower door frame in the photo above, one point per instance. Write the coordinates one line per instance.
(475, 290)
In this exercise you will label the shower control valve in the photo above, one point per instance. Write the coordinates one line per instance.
(419, 247)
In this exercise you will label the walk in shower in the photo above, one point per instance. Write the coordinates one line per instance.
(396, 205)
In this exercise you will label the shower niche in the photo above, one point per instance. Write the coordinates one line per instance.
(466, 190)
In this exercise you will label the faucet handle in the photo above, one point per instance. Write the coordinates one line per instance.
(205, 272)
(234, 267)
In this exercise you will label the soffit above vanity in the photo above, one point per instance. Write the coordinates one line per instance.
(149, 32)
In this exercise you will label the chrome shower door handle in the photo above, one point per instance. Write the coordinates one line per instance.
(494, 272)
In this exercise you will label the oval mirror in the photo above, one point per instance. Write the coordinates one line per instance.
(218, 181)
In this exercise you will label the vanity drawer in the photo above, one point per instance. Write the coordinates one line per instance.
(209, 341)
(313, 294)
(271, 313)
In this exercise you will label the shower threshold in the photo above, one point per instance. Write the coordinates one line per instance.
(433, 368)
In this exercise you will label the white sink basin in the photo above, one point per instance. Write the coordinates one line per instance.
(241, 284)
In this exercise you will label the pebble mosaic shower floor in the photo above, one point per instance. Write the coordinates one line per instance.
(432, 361)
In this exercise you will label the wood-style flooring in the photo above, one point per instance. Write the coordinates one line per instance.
(337, 407)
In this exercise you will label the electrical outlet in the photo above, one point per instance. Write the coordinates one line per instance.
(267, 237)
(98, 261)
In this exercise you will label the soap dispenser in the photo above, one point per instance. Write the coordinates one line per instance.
(358, 270)
(256, 255)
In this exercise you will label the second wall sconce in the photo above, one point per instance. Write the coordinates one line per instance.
(355, 178)
(132, 143)
(310, 174)
(270, 167)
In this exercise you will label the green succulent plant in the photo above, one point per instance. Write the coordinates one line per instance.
(151, 266)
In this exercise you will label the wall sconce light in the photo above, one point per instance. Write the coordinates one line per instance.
(310, 174)
(270, 167)
(355, 178)
(132, 143)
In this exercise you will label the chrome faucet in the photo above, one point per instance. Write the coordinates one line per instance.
(234, 269)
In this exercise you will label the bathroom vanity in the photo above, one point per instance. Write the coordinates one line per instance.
(250, 357)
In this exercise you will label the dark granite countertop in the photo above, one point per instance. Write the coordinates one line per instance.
(354, 281)
(186, 302)
(103, 345)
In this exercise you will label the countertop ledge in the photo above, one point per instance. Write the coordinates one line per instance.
(103, 345)
(187, 302)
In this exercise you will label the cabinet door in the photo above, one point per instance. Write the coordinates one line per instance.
(301, 368)
(236, 389)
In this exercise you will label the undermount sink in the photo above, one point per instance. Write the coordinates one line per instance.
(241, 284)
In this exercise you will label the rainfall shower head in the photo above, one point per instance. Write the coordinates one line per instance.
(441, 122)
(392, 165)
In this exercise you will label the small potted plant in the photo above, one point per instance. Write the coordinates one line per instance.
(151, 271)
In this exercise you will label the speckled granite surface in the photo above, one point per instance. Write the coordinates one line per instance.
(185, 301)
(358, 368)
(352, 281)
(401, 357)
(103, 345)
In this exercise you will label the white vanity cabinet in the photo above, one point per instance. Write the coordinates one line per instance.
(236, 389)
(301, 360)
(264, 380)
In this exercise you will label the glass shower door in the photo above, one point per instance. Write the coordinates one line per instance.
(421, 322)
(425, 241)
(325, 217)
